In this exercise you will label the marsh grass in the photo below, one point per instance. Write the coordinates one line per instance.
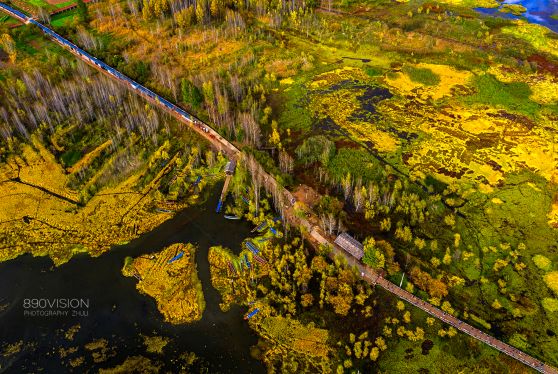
(422, 75)
(513, 96)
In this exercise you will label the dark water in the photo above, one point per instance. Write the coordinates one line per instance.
(538, 11)
(117, 312)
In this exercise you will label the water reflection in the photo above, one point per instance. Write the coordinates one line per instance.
(538, 11)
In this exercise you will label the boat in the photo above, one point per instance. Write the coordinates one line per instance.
(252, 313)
(260, 227)
(177, 257)
(231, 217)
(259, 259)
(160, 210)
(252, 247)
(219, 206)
(197, 181)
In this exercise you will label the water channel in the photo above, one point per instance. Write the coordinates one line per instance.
(117, 312)
(542, 12)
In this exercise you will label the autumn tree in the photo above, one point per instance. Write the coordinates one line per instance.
(435, 287)
(9, 46)
(275, 138)
(185, 17)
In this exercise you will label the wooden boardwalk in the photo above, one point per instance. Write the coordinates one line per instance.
(313, 233)
(375, 278)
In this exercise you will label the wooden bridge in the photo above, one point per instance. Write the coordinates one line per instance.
(287, 201)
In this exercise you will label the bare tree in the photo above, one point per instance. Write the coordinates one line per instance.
(286, 162)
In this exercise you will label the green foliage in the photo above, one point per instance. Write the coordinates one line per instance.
(316, 149)
(513, 96)
(421, 75)
(372, 71)
(137, 70)
(329, 204)
(64, 19)
(519, 341)
(358, 162)
(82, 11)
(373, 257)
(190, 93)
(70, 157)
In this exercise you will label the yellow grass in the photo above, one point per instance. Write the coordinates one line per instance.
(479, 145)
(286, 81)
(293, 335)
(449, 78)
(89, 157)
(338, 75)
(545, 92)
(496, 201)
(54, 224)
(535, 34)
(175, 286)
(472, 3)
(340, 104)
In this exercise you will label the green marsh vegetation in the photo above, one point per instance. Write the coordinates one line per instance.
(422, 75)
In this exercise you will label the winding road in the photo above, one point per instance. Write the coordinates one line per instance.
(314, 233)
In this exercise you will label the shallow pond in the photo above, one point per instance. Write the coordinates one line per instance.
(538, 11)
(117, 312)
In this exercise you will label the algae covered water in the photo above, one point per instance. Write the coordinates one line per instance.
(107, 318)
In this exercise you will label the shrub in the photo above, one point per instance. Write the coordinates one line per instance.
(513, 96)
(551, 280)
(519, 341)
(550, 304)
(422, 75)
(542, 262)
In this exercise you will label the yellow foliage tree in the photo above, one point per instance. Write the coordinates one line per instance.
(381, 343)
(214, 8)
(407, 317)
(275, 138)
(9, 46)
(496, 304)
(551, 280)
(374, 353)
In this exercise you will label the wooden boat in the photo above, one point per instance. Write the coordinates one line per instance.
(231, 217)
